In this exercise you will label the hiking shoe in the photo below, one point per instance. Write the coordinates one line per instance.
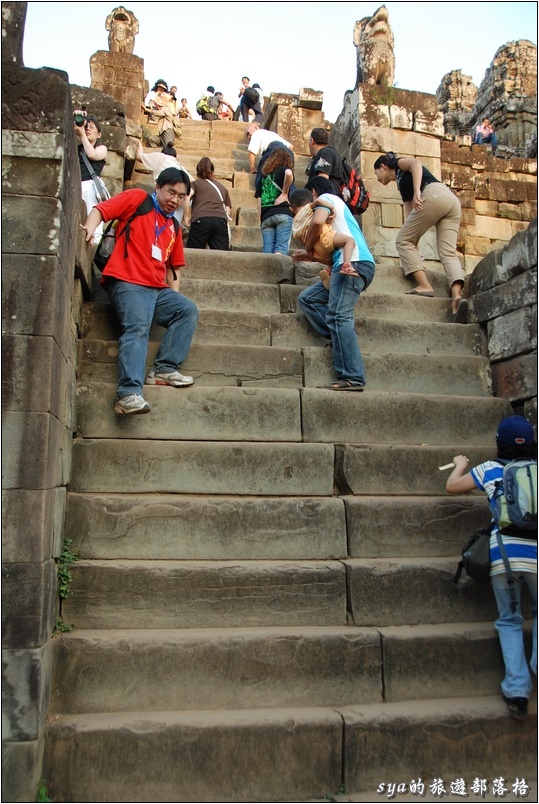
(132, 403)
(518, 707)
(174, 378)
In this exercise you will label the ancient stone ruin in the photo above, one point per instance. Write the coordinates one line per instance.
(507, 96)
(374, 43)
(259, 568)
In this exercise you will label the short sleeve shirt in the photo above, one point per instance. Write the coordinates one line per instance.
(522, 553)
(140, 267)
(328, 161)
(405, 182)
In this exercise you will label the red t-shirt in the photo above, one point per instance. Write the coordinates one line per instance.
(140, 267)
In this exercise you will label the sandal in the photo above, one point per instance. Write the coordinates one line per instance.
(343, 385)
(347, 269)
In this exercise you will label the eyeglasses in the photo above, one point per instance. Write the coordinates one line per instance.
(174, 194)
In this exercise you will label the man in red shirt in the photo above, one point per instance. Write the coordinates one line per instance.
(141, 281)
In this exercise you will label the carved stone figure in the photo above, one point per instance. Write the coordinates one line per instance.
(374, 43)
(123, 27)
(456, 97)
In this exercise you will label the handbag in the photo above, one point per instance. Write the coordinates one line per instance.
(476, 557)
(100, 188)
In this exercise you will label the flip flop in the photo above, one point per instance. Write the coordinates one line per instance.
(461, 316)
(343, 385)
(428, 293)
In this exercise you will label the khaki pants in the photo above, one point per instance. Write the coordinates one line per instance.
(441, 208)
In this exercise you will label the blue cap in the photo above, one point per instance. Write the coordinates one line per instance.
(515, 430)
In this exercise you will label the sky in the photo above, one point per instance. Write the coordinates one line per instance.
(282, 46)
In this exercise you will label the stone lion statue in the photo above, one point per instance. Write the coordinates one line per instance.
(374, 43)
(123, 27)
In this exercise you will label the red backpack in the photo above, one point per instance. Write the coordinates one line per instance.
(353, 191)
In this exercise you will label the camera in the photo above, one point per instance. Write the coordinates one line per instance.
(79, 119)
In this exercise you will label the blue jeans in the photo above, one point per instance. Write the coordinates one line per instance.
(331, 314)
(485, 140)
(276, 233)
(517, 682)
(137, 307)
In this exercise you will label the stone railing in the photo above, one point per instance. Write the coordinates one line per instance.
(503, 292)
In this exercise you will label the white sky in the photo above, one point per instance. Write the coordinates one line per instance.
(282, 46)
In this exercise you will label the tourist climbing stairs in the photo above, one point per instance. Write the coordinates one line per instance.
(263, 607)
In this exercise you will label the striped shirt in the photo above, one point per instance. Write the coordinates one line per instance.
(522, 553)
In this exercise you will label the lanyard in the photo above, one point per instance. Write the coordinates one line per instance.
(157, 230)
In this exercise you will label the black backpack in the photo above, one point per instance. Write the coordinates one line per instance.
(353, 191)
(112, 234)
(251, 95)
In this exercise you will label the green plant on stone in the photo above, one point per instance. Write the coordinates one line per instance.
(383, 94)
(61, 627)
(64, 562)
(42, 792)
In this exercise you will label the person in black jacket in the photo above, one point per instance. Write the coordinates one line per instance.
(325, 161)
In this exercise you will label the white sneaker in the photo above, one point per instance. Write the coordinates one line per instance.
(131, 403)
(174, 378)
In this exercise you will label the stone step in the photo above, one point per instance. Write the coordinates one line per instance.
(198, 668)
(247, 217)
(265, 469)
(261, 755)
(292, 332)
(201, 527)
(229, 266)
(205, 413)
(384, 336)
(205, 594)
(197, 467)
(221, 594)
(141, 670)
(409, 470)
(246, 238)
(285, 754)
(414, 591)
(218, 364)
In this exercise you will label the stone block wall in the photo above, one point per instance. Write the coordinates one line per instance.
(498, 197)
(41, 208)
(294, 116)
(503, 292)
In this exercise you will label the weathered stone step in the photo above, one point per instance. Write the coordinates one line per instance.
(262, 755)
(210, 364)
(229, 266)
(415, 660)
(269, 414)
(410, 470)
(149, 526)
(205, 594)
(284, 754)
(246, 238)
(451, 739)
(177, 526)
(199, 668)
(210, 414)
(203, 467)
(393, 527)
(214, 363)
(387, 336)
(414, 591)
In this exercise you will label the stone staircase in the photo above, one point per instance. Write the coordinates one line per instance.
(264, 607)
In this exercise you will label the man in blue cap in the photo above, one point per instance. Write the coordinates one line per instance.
(514, 441)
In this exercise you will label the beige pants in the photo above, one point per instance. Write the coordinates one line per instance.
(441, 208)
